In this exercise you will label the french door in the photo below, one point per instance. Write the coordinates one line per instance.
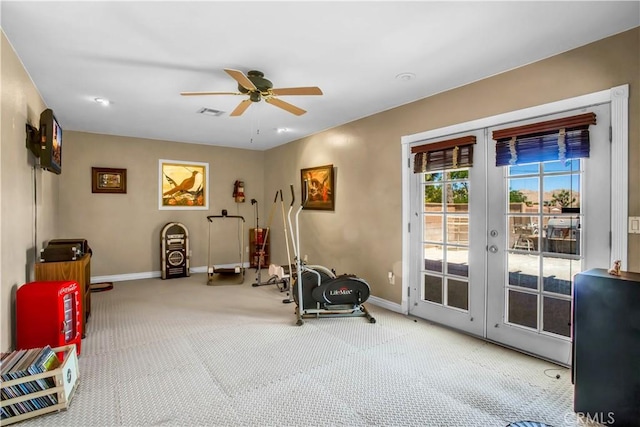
(496, 248)
(449, 219)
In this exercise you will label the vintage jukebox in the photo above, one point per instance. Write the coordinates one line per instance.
(174, 240)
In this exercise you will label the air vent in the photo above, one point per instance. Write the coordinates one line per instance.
(210, 111)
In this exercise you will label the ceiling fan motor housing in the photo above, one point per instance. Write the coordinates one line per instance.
(257, 78)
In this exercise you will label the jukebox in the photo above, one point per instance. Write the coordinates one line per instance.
(174, 240)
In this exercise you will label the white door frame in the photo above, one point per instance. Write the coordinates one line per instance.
(618, 97)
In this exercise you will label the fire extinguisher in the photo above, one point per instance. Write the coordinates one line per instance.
(238, 191)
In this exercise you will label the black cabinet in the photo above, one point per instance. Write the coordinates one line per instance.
(606, 346)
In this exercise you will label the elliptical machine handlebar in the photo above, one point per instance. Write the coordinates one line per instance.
(305, 193)
(293, 195)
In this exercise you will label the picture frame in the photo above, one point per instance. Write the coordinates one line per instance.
(108, 180)
(183, 185)
(320, 187)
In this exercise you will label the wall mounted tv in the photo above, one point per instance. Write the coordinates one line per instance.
(46, 143)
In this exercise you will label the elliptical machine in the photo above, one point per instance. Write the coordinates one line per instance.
(318, 292)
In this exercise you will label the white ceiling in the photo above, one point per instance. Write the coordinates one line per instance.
(141, 55)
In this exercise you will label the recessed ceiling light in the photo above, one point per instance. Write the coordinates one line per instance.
(102, 101)
(405, 77)
(282, 130)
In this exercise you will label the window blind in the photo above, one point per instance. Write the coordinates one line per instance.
(561, 139)
(450, 154)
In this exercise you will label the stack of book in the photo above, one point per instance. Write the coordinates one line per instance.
(23, 363)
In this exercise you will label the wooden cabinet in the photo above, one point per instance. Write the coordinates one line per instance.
(606, 346)
(79, 271)
(257, 238)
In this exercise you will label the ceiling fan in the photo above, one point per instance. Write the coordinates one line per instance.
(257, 87)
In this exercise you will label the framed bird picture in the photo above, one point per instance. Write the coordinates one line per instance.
(183, 185)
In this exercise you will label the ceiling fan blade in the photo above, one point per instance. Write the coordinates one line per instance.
(312, 90)
(241, 108)
(285, 106)
(210, 93)
(241, 79)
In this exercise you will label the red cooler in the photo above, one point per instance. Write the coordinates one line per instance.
(49, 313)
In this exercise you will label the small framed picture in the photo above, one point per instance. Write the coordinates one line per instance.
(319, 185)
(108, 180)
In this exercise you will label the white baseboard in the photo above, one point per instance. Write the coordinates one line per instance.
(153, 274)
(392, 306)
(123, 277)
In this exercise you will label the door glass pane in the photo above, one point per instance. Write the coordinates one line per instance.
(433, 198)
(561, 192)
(433, 257)
(558, 274)
(458, 229)
(433, 228)
(432, 289)
(572, 165)
(523, 270)
(522, 309)
(458, 197)
(458, 261)
(561, 234)
(433, 177)
(524, 195)
(557, 316)
(458, 294)
(530, 169)
(523, 233)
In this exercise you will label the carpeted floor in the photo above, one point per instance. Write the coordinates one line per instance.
(180, 353)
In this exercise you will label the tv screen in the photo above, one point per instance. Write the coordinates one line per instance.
(50, 142)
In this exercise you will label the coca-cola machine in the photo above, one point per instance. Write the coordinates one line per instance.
(48, 313)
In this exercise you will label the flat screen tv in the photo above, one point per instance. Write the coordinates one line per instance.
(50, 142)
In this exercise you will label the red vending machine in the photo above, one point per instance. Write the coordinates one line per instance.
(49, 313)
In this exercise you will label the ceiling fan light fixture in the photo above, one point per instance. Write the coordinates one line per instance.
(258, 88)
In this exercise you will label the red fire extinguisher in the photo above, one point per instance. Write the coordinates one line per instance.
(238, 191)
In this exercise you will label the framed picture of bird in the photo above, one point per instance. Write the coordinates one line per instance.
(183, 185)
(108, 180)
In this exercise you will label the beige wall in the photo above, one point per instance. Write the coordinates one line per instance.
(28, 196)
(123, 230)
(363, 235)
